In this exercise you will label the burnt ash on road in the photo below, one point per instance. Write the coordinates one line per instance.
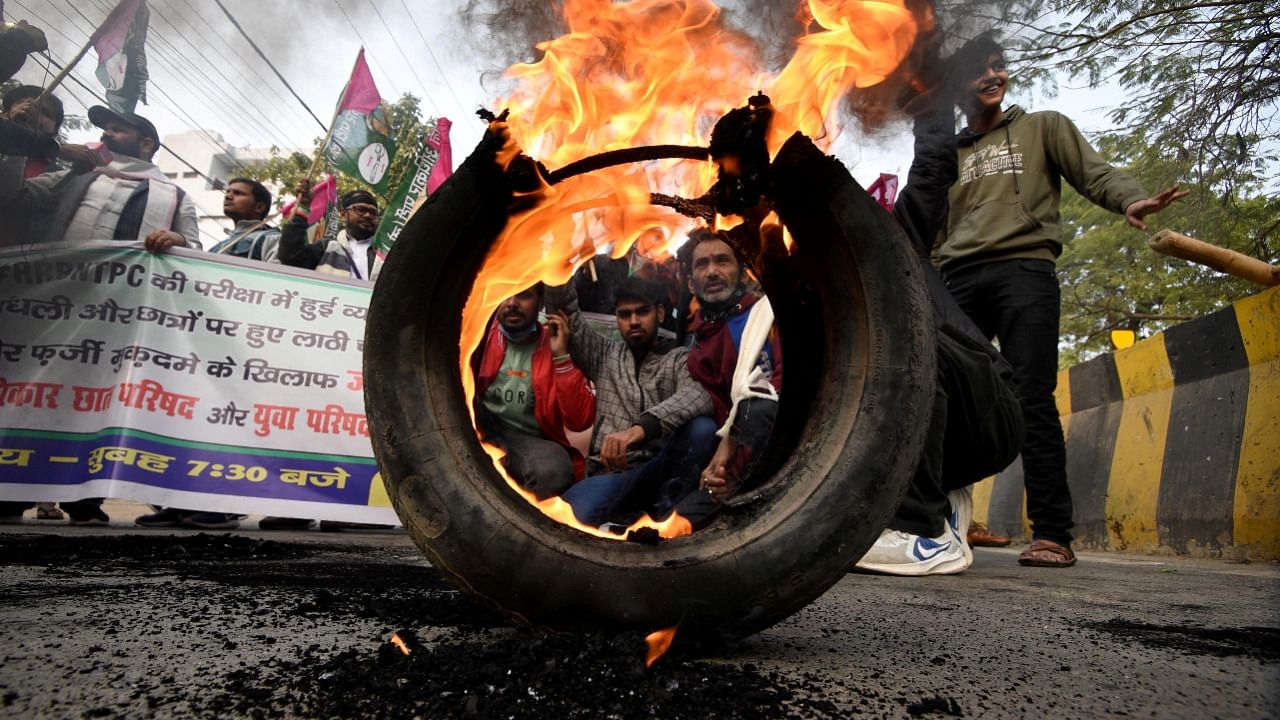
(105, 624)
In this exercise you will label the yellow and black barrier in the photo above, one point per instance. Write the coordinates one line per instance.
(1173, 444)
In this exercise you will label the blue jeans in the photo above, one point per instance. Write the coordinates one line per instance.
(654, 487)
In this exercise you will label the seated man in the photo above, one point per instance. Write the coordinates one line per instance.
(128, 199)
(652, 436)
(528, 392)
(248, 202)
(736, 357)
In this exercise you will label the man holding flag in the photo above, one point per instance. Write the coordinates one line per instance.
(351, 253)
(359, 143)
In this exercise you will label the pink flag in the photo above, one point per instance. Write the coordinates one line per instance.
(323, 194)
(431, 167)
(360, 94)
(444, 164)
(361, 143)
(884, 190)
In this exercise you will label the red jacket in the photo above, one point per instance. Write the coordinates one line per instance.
(562, 397)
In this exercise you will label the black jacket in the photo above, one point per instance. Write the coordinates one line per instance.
(295, 251)
(18, 140)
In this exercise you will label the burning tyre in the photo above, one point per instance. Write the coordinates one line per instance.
(857, 329)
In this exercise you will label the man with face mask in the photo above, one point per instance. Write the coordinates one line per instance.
(652, 431)
(351, 254)
(127, 199)
(529, 391)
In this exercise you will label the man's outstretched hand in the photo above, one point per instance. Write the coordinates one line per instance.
(82, 159)
(1142, 208)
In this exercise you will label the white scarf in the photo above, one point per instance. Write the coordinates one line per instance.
(99, 211)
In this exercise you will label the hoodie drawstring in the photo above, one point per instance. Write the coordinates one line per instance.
(1008, 144)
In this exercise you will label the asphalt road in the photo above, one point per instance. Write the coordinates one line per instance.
(123, 623)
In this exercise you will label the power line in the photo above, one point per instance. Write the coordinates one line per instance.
(220, 148)
(404, 55)
(258, 113)
(368, 53)
(430, 52)
(240, 67)
(162, 48)
(262, 55)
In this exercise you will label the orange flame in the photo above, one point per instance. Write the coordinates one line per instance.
(659, 643)
(650, 72)
(400, 643)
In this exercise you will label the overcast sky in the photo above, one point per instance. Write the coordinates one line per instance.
(203, 73)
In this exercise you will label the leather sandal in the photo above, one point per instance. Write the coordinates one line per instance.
(981, 536)
(1047, 553)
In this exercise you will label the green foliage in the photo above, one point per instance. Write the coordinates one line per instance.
(1112, 280)
(285, 169)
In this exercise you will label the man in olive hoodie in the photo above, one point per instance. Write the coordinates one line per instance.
(1003, 235)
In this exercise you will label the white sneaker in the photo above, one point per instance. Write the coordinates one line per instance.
(958, 521)
(899, 553)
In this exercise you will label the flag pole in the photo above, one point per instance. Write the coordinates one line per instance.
(63, 73)
(315, 161)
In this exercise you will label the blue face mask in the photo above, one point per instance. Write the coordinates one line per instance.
(521, 335)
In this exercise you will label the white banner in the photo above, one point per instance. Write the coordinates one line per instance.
(185, 380)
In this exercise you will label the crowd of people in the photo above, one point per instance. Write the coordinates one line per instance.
(674, 426)
(52, 191)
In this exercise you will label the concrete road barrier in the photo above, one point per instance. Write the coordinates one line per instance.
(1173, 444)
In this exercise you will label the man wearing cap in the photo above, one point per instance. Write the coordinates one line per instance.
(126, 199)
(351, 254)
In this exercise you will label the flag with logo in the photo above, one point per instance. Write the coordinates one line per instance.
(122, 61)
(322, 217)
(431, 166)
(361, 142)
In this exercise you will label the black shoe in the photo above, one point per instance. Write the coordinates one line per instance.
(166, 517)
(211, 521)
(339, 526)
(89, 516)
(272, 522)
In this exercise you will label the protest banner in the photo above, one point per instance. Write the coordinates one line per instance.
(185, 380)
